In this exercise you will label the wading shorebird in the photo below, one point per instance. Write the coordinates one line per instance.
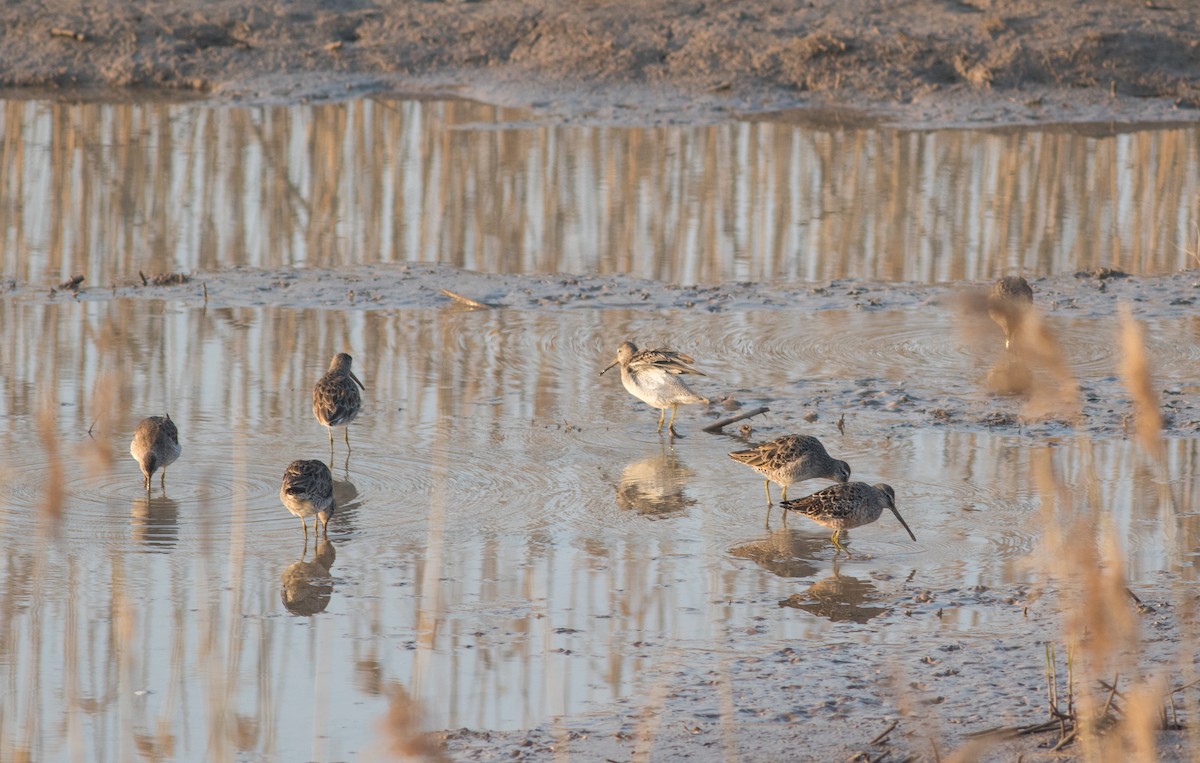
(1010, 300)
(335, 398)
(307, 491)
(155, 446)
(845, 506)
(792, 458)
(652, 376)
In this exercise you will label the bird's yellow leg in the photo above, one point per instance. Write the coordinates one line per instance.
(347, 437)
(768, 485)
(304, 524)
(784, 493)
(163, 480)
(662, 412)
(838, 545)
(674, 408)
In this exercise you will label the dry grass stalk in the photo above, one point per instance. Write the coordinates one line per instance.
(1135, 372)
(1037, 346)
(1081, 552)
(401, 731)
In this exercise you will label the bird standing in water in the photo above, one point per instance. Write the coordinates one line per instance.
(792, 458)
(652, 376)
(1010, 300)
(155, 446)
(307, 491)
(335, 398)
(848, 505)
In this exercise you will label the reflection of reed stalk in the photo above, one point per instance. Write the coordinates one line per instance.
(401, 181)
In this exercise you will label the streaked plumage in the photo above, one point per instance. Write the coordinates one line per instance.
(652, 376)
(847, 505)
(1010, 299)
(335, 398)
(792, 458)
(307, 491)
(155, 446)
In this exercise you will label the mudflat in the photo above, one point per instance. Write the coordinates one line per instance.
(921, 63)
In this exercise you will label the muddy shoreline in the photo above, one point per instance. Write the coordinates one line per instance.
(925, 64)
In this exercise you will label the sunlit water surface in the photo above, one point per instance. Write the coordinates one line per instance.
(514, 542)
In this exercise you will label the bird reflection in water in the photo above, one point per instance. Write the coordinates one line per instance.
(838, 598)
(654, 486)
(307, 586)
(784, 552)
(155, 521)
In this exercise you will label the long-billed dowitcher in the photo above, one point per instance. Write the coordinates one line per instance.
(307, 491)
(652, 376)
(155, 446)
(847, 505)
(1010, 300)
(335, 398)
(792, 458)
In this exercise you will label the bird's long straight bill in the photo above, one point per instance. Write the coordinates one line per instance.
(897, 513)
(610, 365)
(356, 381)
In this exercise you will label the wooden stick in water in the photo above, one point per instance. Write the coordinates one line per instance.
(464, 300)
(720, 424)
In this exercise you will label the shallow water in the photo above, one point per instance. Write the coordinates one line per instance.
(514, 543)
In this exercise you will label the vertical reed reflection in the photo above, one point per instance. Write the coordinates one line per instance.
(187, 187)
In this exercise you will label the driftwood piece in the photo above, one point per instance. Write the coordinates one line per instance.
(720, 424)
(467, 301)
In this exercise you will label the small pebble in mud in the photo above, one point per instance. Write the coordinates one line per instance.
(811, 416)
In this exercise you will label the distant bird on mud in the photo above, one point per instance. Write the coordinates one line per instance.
(1010, 300)
(335, 398)
(652, 376)
(307, 491)
(792, 458)
(155, 446)
(845, 506)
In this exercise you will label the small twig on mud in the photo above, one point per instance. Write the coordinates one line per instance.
(1185, 687)
(879, 739)
(1111, 694)
(1064, 742)
(60, 32)
(841, 424)
(720, 424)
(90, 429)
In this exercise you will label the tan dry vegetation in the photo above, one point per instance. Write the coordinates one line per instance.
(1135, 371)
